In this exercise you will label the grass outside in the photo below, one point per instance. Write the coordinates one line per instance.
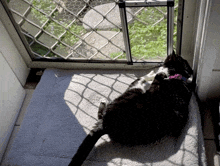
(147, 41)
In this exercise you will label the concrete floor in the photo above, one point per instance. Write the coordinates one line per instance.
(213, 158)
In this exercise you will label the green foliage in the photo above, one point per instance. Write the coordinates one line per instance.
(64, 32)
(116, 54)
(71, 39)
(41, 50)
(148, 41)
(46, 5)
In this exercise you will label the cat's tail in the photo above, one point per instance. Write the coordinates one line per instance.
(87, 145)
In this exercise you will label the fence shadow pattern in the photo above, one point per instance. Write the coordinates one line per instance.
(83, 96)
(90, 29)
(63, 109)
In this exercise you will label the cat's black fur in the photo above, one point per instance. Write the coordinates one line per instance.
(143, 117)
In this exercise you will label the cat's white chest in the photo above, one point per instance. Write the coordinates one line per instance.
(145, 81)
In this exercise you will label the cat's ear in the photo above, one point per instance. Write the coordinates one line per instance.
(170, 58)
(173, 56)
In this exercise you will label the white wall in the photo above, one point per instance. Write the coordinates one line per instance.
(13, 74)
(12, 56)
(189, 29)
(208, 74)
(201, 45)
(11, 98)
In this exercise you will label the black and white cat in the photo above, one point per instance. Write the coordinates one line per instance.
(145, 112)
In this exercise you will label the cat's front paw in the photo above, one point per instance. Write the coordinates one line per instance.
(160, 76)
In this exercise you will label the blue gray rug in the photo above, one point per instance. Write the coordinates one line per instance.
(64, 108)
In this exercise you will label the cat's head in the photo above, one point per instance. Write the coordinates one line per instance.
(177, 65)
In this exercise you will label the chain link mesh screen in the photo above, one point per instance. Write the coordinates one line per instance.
(90, 29)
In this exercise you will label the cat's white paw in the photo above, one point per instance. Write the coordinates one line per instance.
(162, 69)
(103, 100)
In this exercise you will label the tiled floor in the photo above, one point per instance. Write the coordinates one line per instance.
(212, 157)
